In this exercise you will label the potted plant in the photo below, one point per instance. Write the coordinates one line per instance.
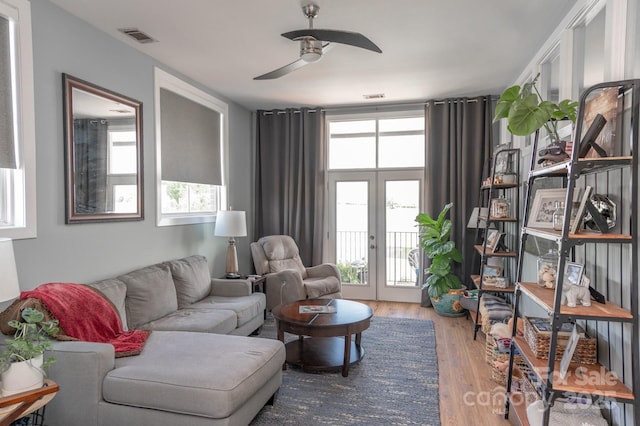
(443, 286)
(526, 111)
(22, 362)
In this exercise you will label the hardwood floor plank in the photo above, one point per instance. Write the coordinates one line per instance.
(468, 396)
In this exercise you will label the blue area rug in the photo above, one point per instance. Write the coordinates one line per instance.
(395, 384)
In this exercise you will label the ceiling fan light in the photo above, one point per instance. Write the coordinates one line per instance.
(310, 57)
(310, 50)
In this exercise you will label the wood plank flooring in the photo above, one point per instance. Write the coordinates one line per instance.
(468, 396)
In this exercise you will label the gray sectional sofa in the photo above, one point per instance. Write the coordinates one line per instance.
(198, 366)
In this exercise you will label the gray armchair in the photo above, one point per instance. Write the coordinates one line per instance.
(288, 280)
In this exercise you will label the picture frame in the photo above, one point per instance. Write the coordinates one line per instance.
(491, 271)
(604, 103)
(569, 350)
(493, 238)
(577, 220)
(544, 204)
(572, 274)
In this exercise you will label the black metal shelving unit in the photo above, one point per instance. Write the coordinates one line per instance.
(619, 285)
(484, 223)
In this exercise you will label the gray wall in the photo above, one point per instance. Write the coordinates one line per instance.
(87, 252)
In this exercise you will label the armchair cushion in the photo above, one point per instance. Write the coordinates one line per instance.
(318, 287)
(282, 253)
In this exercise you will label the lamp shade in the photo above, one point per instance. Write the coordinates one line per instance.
(9, 286)
(231, 223)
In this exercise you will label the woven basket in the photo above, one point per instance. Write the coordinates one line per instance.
(494, 357)
(586, 350)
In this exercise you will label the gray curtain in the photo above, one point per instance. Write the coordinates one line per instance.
(91, 143)
(458, 141)
(290, 168)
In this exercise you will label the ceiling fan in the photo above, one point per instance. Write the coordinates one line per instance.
(314, 42)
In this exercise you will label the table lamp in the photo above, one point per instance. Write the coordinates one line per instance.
(231, 223)
(9, 286)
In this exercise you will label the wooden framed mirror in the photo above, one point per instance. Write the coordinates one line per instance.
(103, 154)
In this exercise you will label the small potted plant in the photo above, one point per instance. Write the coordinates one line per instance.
(22, 362)
(443, 286)
(526, 111)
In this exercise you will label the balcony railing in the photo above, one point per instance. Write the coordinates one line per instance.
(352, 257)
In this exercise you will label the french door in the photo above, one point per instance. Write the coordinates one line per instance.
(373, 237)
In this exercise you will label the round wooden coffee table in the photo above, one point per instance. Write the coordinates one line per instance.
(320, 346)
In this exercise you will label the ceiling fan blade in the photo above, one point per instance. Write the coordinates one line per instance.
(336, 36)
(299, 63)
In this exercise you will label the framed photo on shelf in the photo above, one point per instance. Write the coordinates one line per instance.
(577, 220)
(493, 238)
(544, 204)
(605, 103)
(491, 271)
(572, 343)
(572, 274)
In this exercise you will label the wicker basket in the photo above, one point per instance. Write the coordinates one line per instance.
(586, 350)
(494, 357)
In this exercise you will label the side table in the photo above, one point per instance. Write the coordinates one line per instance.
(258, 283)
(22, 404)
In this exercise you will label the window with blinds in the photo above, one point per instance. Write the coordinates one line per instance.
(191, 128)
(17, 130)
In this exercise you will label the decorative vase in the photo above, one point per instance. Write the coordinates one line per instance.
(449, 304)
(23, 376)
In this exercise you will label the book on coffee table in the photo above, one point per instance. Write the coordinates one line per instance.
(317, 309)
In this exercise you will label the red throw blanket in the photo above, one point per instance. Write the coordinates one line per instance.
(85, 314)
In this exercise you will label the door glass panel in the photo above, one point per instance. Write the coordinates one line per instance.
(402, 199)
(352, 229)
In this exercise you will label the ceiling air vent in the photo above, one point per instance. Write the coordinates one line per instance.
(374, 96)
(137, 35)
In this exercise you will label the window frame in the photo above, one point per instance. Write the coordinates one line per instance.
(18, 191)
(376, 116)
(168, 81)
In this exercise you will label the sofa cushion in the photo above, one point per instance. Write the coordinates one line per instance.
(318, 287)
(116, 291)
(202, 374)
(200, 320)
(244, 307)
(150, 294)
(191, 278)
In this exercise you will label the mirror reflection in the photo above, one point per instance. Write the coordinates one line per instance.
(103, 159)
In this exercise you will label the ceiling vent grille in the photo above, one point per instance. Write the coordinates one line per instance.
(137, 35)
(374, 96)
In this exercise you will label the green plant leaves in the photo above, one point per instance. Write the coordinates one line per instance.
(526, 111)
(435, 241)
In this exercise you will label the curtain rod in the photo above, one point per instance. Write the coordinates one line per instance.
(295, 111)
(378, 106)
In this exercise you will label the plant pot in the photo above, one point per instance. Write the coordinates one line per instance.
(448, 304)
(23, 376)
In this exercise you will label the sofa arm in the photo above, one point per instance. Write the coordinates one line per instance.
(284, 287)
(79, 370)
(230, 288)
(324, 270)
